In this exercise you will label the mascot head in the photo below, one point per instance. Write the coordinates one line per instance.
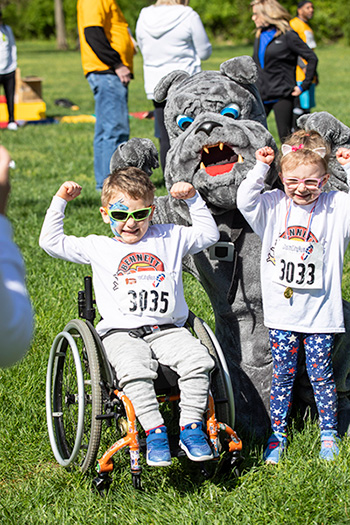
(216, 121)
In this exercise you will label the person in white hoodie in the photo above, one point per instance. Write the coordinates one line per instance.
(8, 66)
(170, 36)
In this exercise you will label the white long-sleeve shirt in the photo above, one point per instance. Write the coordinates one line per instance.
(309, 311)
(170, 37)
(8, 50)
(16, 315)
(156, 258)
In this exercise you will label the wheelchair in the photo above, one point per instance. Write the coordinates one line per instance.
(82, 392)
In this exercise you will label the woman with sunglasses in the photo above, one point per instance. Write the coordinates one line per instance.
(304, 235)
(137, 277)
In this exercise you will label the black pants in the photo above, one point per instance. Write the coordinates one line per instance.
(283, 110)
(160, 131)
(9, 82)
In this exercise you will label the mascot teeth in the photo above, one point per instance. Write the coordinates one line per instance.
(218, 159)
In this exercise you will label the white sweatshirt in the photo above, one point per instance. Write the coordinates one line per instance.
(308, 311)
(16, 315)
(8, 50)
(156, 258)
(170, 37)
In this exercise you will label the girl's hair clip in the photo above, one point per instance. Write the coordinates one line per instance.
(286, 148)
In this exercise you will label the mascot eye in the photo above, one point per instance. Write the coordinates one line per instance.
(232, 111)
(183, 121)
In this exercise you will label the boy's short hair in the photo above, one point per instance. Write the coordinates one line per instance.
(131, 181)
(305, 142)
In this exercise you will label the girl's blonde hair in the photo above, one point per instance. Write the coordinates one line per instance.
(304, 144)
(172, 2)
(131, 181)
(274, 14)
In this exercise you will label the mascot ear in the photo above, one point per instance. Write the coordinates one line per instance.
(242, 70)
(161, 90)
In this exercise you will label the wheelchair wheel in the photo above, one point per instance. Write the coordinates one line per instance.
(73, 396)
(220, 385)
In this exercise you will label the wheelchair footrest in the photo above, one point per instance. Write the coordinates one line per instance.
(111, 415)
(175, 449)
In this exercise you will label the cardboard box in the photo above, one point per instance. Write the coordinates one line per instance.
(28, 102)
(28, 89)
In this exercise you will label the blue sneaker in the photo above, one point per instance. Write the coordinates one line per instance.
(194, 442)
(276, 446)
(158, 451)
(329, 445)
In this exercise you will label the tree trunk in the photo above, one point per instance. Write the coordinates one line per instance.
(60, 26)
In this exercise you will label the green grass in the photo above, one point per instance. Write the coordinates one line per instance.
(33, 488)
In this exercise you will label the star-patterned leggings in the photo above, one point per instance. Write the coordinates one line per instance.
(318, 350)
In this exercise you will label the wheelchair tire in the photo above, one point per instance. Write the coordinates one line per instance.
(73, 396)
(221, 386)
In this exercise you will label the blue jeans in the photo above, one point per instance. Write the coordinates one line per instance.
(112, 120)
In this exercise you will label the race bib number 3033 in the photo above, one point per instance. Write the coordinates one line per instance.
(299, 264)
(146, 293)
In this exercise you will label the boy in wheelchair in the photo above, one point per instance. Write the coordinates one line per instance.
(137, 276)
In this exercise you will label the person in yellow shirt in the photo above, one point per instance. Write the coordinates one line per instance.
(306, 100)
(107, 51)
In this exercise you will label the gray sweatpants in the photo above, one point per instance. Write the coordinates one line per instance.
(136, 369)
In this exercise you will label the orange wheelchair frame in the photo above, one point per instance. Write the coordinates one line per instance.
(82, 391)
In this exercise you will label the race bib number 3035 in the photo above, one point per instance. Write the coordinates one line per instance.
(146, 293)
(299, 264)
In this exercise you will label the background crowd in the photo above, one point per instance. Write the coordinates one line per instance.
(171, 36)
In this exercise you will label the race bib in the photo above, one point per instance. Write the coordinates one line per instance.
(299, 265)
(147, 293)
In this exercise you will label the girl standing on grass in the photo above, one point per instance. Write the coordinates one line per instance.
(304, 235)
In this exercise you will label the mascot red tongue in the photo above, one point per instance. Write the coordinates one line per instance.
(219, 169)
(231, 277)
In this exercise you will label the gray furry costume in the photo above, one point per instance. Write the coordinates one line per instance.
(216, 122)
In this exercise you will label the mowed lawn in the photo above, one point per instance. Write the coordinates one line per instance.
(33, 488)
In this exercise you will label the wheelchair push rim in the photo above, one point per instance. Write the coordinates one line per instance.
(73, 396)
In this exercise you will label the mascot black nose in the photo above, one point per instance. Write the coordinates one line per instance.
(208, 127)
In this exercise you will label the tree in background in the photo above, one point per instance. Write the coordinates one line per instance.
(60, 27)
(224, 20)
